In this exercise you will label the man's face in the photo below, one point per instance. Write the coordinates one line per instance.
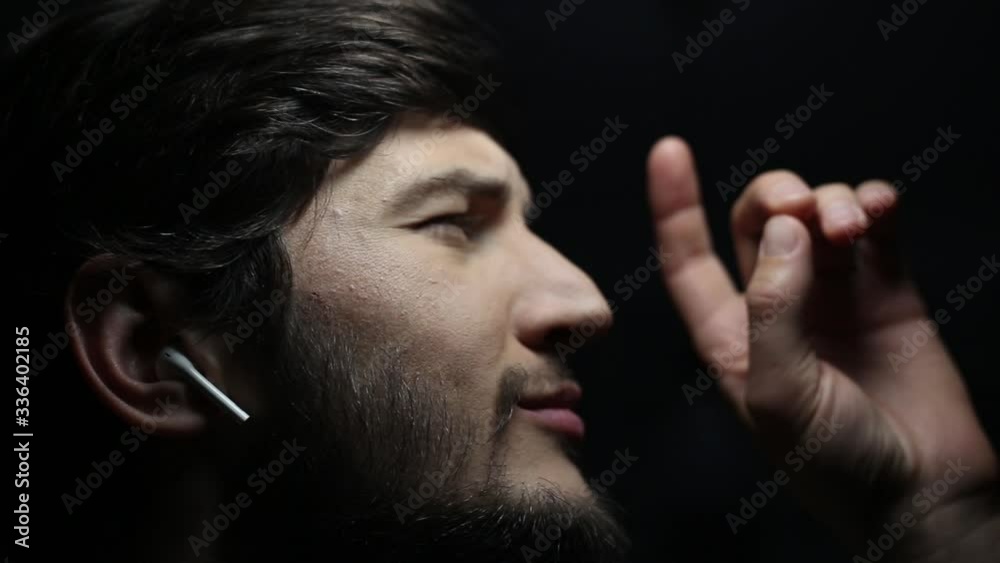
(422, 248)
(417, 364)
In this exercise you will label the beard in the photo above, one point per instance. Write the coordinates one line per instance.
(385, 471)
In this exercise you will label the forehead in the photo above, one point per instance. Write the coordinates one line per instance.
(420, 148)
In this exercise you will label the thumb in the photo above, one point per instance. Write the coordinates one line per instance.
(782, 383)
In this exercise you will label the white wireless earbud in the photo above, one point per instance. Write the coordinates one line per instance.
(172, 357)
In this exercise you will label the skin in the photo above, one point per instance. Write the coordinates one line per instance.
(476, 295)
(469, 300)
(462, 300)
(824, 357)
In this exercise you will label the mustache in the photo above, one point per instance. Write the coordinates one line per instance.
(516, 380)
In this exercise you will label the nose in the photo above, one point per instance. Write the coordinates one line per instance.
(555, 300)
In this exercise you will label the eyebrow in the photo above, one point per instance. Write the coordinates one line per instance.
(461, 181)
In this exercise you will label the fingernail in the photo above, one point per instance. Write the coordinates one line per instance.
(780, 236)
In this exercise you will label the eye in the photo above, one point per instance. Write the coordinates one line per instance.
(455, 227)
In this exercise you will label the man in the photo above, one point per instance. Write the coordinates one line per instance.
(288, 193)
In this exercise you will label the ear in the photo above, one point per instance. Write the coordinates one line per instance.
(121, 315)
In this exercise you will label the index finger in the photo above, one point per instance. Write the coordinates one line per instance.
(694, 274)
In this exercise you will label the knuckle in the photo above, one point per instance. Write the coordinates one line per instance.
(765, 192)
(834, 188)
(772, 178)
(768, 290)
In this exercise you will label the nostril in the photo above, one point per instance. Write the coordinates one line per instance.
(558, 305)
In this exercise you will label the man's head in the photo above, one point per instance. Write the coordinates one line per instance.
(288, 192)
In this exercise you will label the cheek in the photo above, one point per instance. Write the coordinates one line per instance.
(448, 323)
(449, 332)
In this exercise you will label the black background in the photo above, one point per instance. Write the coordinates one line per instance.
(613, 59)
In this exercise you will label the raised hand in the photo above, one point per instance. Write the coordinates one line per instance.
(811, 351)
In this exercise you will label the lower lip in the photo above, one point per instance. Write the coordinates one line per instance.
(563, 421)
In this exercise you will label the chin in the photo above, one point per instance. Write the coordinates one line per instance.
(537, 459)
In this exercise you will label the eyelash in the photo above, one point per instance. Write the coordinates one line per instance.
(468, 225)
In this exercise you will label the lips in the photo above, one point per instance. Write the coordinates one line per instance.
(554, 410)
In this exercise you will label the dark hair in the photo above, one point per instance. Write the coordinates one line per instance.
(260, 98)
(274, 89)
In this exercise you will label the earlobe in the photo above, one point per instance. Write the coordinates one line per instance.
(121, 316)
